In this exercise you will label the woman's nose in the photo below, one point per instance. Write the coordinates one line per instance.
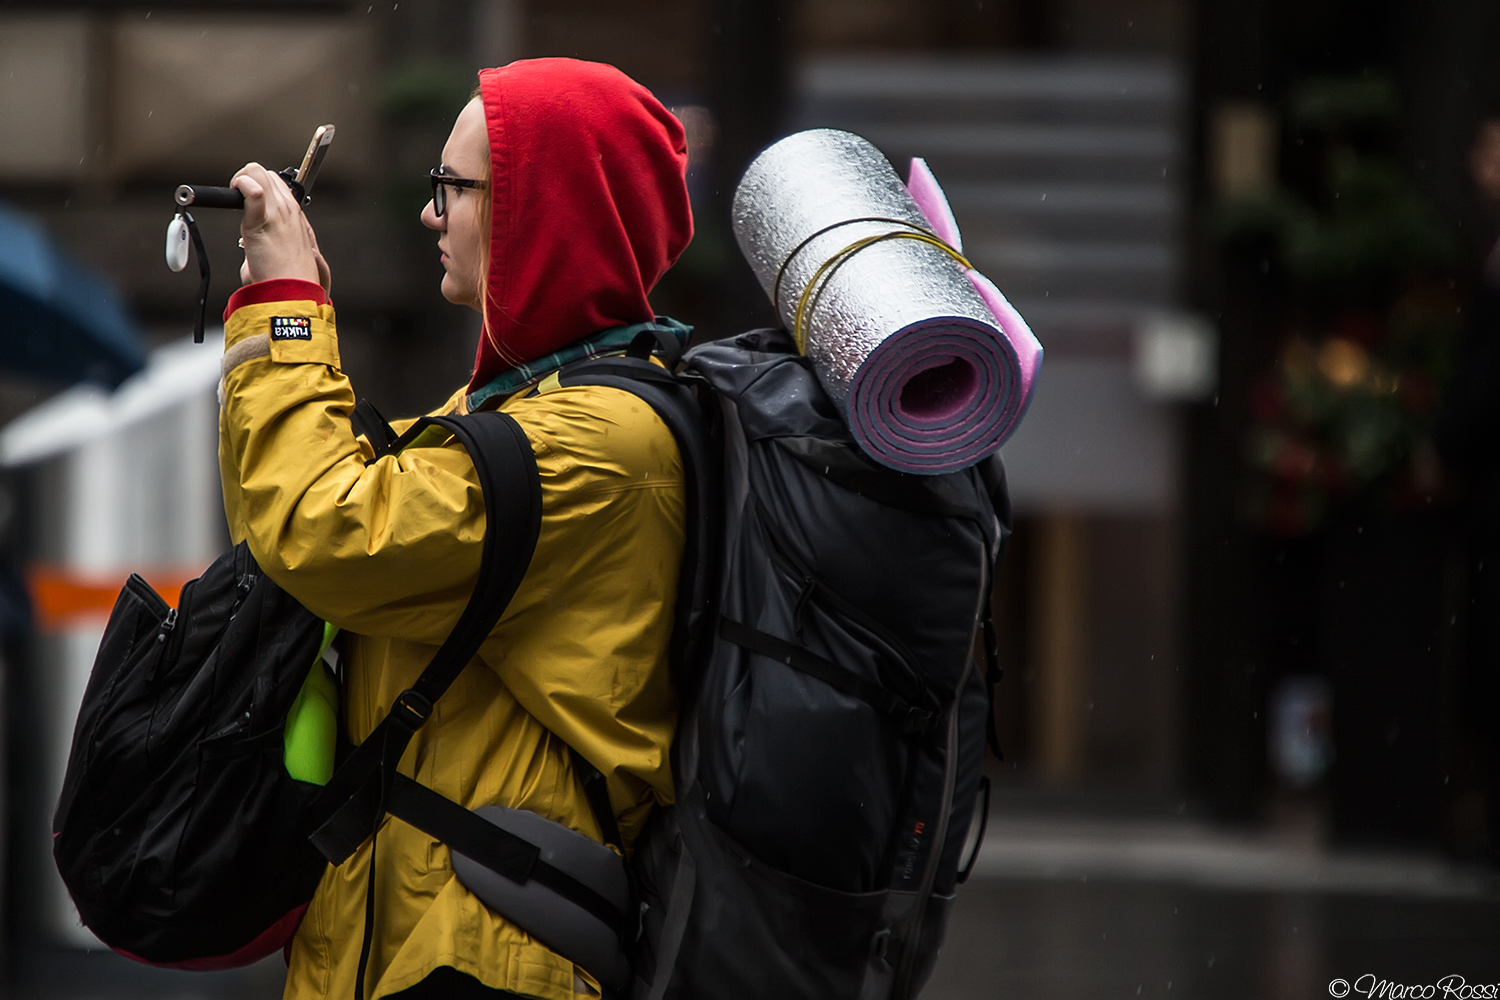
(431, 219)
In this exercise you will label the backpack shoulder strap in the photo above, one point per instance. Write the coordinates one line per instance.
(676, 400)
(348, 807)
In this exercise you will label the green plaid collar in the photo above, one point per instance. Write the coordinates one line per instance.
(612, 340)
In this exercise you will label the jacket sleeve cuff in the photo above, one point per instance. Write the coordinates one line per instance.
(296, 330)
(275, 290)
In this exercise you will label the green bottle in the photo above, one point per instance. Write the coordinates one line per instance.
(312, 725)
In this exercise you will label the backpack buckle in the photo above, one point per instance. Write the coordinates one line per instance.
(411, 710)
(917, 721)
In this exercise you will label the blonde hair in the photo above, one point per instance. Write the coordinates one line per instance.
(486, 227)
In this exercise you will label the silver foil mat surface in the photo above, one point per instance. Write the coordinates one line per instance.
(897, 331)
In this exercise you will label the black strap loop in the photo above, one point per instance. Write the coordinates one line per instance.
(912, 720)
(982, 803)
(200, 308)
(368, 423)
(654, 338)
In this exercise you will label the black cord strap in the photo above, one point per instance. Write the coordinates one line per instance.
(992, 675)
(911, 719)
(596, 788)
(200, 309)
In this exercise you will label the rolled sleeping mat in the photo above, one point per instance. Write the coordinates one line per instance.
(931, 366)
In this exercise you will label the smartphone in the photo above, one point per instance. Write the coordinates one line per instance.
(316, 151)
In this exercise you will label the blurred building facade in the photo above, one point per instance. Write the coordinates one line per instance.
(1148, 620)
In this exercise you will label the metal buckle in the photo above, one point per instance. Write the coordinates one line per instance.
(917, 721)
(411, 710)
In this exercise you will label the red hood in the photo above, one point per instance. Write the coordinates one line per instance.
(589, 209)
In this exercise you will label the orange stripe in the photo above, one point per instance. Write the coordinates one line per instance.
(63, 597)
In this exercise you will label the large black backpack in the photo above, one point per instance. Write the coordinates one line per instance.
(835, 707)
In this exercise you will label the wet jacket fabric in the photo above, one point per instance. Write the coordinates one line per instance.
(389, 551)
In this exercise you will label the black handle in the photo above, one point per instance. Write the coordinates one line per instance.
(204, 196)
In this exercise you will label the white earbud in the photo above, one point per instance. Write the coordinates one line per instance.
(177, 244)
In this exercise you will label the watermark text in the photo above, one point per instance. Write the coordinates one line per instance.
(1373, 987)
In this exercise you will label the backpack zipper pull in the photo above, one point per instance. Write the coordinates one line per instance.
(167, 625)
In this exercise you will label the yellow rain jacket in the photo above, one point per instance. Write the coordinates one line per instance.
(389, 552)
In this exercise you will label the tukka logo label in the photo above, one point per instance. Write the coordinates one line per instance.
(291, 328)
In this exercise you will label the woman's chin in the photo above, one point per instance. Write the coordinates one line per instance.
(455, 292)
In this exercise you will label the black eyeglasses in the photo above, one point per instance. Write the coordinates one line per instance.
(440, 181)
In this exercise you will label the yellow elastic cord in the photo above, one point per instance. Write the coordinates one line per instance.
(808, 301)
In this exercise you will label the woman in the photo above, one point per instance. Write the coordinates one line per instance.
(559, 204)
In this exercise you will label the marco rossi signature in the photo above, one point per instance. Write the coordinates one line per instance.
(1453, 987)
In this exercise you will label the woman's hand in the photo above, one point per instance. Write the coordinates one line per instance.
(279, 241)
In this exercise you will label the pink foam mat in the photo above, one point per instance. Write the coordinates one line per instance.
(945, 392)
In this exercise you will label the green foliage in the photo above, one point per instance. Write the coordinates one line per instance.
(1334, 104)
(430, 93)
(1374, 228)
(1370, 320)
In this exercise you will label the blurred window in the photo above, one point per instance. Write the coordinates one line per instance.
(44, 89)
(200, 95)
